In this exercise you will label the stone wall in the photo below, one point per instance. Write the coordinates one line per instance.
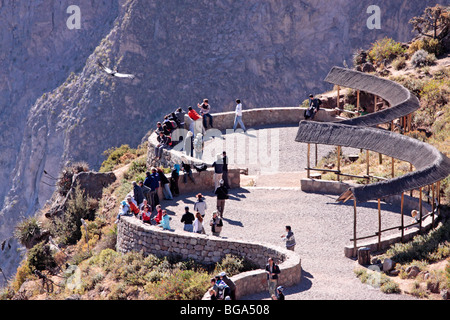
(225, 120)
(133, 235)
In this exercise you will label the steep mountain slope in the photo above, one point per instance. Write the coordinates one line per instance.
(267, 53)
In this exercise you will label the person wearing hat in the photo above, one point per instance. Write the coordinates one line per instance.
(187, 218)
(124, 210)
(279, 294)
(222, 194)
(230, 283)
(200, 205)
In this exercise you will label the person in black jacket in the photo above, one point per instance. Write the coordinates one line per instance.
(138, 194)
(222, 194)
(174, 176)
(272, 271)
(187, 219)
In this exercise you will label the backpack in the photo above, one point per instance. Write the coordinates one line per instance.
(224, 290)
(200, 167)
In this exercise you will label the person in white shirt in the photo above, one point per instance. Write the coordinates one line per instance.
(238, 116)
(200, 205)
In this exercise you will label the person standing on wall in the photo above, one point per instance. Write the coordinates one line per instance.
(238, 116)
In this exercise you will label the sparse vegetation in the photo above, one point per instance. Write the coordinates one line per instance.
(385, 49)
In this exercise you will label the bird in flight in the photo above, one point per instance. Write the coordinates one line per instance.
(114, 73)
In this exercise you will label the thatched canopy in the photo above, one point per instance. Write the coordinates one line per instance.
(430, 164)
(401, 100)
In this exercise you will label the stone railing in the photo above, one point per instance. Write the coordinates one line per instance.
(133, 235)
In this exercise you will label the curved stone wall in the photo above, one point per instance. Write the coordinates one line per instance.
(133, 235)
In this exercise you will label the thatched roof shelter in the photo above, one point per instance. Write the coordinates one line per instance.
(401, 100)
(430, 164)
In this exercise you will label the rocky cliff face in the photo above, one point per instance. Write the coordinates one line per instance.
(57, 106)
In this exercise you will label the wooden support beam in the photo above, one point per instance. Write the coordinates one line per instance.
(358, 101)
(379, 224)
(420, 210)
(392, 168)
(338, 102)
(308, 161)
(354, 228)
(338, 162)
(402, 216)
(316, 155)
(432, 206)
(367, 164)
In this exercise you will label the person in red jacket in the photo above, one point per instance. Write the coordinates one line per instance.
(159, 214)
(193, 114)
(146, 214)
(133, 207)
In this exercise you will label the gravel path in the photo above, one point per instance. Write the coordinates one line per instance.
(322, 226)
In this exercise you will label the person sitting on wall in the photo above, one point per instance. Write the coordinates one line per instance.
(313, 107)
(163, 143)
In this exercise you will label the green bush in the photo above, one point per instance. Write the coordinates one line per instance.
(431, 247)
(27, 230)
(399, 63)
(40, 258)
(385, 49)
(68, 227)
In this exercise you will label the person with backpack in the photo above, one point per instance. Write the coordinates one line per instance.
(221, 289)
(229, 283)
(216, 224)
(313, 107)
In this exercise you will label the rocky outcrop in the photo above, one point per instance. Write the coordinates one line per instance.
(92, 184)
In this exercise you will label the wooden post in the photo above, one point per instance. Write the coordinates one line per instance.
(316, 155)
(375, 104)
(339, 162)
(438, 187)
(354, 226)
(367, 165)
(420, 210)
(409, 122)
(338, 97)
(308, 161)
(401, 212)
(392, 168)
(432, 206)
(379, 225)
(410, 170)
(357, 101)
